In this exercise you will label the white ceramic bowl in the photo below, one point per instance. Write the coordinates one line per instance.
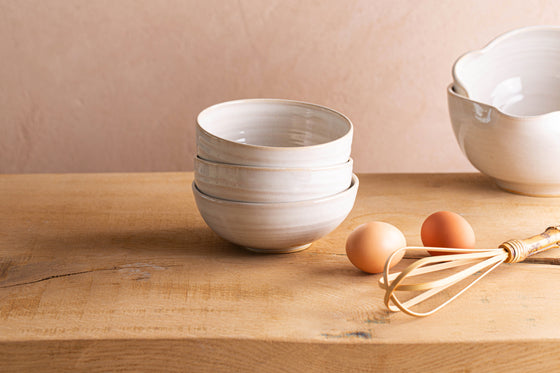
(275, 227)
(522, 154)
(517, 73)
(504, 107)
(273, 133)
(262, 184)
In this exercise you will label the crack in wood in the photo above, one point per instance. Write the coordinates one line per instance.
(352, 334)
(52, 277)
(58, 276)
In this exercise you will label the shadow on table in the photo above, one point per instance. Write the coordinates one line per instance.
(175, 242)
(133, 254)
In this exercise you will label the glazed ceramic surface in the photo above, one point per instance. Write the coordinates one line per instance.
(275, 227)
(273, 133)
(262, 184)
(517, 73)
(521, 153)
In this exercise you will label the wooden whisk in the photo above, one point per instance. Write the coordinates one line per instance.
(483, 262)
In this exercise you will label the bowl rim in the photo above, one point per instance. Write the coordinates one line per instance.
(534, 119)
(354, 184)
(345, 119)
(198, 159)
(488, 47)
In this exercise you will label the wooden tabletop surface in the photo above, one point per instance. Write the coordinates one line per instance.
(119, 272)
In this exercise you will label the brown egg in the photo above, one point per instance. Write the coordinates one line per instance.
(370, 244)
(447, 229)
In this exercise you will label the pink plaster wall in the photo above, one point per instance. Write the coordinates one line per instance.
(115, 85)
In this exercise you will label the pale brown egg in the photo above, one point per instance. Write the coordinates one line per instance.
(447, 229)
(370, 244)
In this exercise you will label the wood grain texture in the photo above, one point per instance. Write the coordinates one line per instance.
(118, 272)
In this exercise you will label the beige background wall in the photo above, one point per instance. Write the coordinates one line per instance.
(115, 85)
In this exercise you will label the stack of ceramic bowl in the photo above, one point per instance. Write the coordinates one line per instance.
(273, 175)
(504, 105)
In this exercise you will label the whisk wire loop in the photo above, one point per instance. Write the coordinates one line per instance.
(483, 262)
(433, 264)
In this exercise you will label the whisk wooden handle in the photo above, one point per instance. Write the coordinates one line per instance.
(519, 250)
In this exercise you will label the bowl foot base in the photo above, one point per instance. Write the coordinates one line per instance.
(532, 190)
(280, 251)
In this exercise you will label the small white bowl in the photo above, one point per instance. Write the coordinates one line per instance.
(275, 227)
(262, 184)
(517, 73)
(273, 133)
(520, 153)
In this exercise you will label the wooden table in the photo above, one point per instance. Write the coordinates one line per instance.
(119, 272)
